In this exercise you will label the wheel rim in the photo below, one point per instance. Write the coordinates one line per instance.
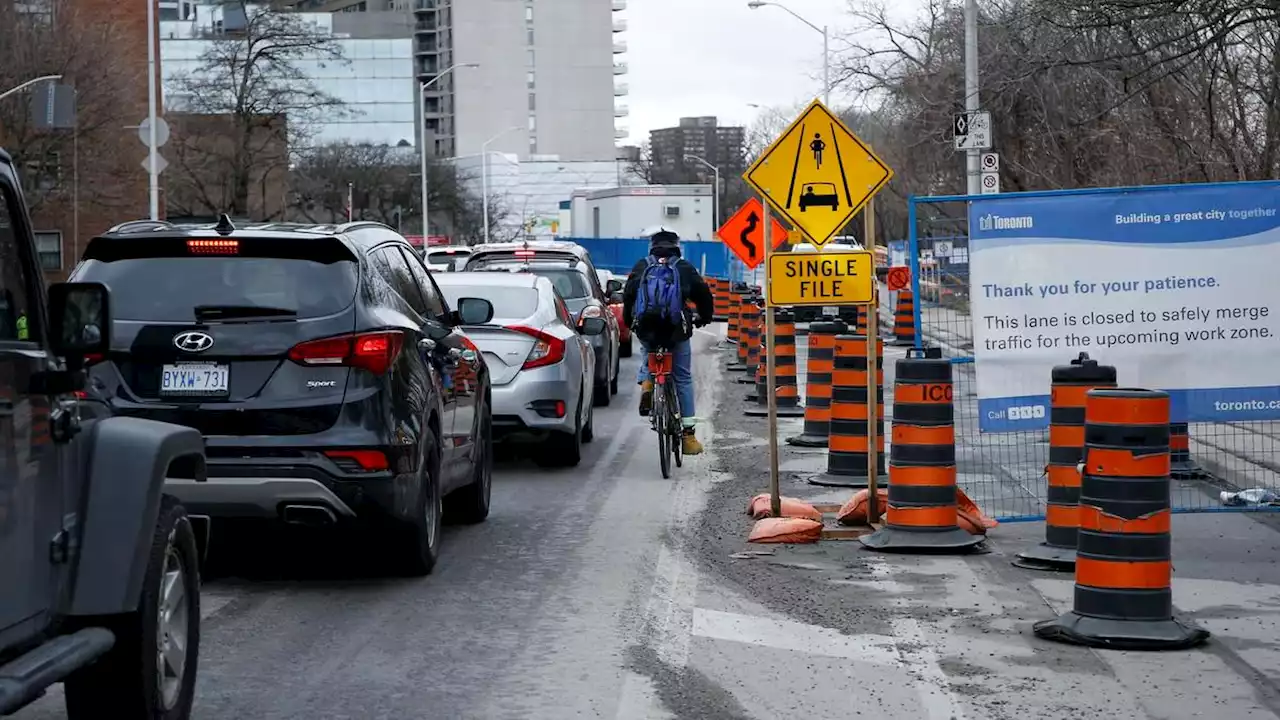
(173, 622)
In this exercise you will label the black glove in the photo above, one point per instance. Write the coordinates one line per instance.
(699, 321)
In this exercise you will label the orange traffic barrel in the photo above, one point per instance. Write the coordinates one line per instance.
(731, 314)
(746, 310)
(817, 391)
(720, 297)
(786, 388)
(847, 443)
(1069, 386)
(921, 513)
(1182, 465)
(1124, 564)
(904, 319)
(749, 345)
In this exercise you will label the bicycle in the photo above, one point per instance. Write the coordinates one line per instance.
(664, 415)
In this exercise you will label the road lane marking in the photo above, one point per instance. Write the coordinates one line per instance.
(213, 602)
(794, 636)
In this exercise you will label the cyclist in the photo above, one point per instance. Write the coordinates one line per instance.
(660, 325)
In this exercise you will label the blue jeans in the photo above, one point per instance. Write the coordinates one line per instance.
(681, 372)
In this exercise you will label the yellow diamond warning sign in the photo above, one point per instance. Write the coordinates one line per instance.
(831, 278)
(818, 174)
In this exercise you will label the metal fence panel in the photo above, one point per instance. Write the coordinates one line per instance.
(1005, 472)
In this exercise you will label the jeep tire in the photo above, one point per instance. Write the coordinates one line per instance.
(150, 672)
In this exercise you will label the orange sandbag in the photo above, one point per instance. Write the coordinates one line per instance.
(970, 517)
(786, 530)
(854, 512)
(760, 507)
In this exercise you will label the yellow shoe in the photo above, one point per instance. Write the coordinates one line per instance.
(646, 397)
(691, 446)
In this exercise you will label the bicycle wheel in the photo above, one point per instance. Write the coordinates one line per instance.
(661, 419)
(676, 425)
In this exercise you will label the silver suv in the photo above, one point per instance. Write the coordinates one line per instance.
(541, 363)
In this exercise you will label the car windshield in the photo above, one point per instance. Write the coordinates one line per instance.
(168, 289)
(509, 303)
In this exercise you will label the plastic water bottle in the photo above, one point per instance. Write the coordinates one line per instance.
(1254, 496)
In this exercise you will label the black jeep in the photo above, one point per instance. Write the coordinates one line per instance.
(99, 571)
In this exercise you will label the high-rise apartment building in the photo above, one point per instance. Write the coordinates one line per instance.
(545, 80)
(704, 137)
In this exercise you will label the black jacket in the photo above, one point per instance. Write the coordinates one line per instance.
(692, 286)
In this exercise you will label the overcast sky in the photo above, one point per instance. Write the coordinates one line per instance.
(714, 57)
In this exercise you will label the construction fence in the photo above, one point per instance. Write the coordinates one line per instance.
(1189, 311)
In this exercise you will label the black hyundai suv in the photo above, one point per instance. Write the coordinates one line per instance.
(321, 363)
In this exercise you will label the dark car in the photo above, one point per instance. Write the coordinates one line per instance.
(99, 569)
(322, 364)
(568, 266)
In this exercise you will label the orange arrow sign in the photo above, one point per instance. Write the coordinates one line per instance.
(744, 233)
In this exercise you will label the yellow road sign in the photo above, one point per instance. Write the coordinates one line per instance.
(818, 174)
(845, 278)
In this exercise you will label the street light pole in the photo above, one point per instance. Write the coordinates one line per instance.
(826, 44)
(716, 196)
(422, 145)
(153, 169)
(971, 105)
(28, 84)
(484, 178)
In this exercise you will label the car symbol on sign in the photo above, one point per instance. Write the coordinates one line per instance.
(819, 194)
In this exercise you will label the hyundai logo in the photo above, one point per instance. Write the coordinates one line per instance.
(193, 341)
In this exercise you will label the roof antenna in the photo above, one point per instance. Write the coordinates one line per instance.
(224, 226)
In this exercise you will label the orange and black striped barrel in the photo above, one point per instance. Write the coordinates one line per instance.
(819, 369)
(786, 388)
(749, 346)
(1124, 565)
(847, 442)
(1182, 465)
(904, 319)
(730, 312)
(745, 311)
(1069, 385)
(922, 461)
(761, 349)
(720, 295)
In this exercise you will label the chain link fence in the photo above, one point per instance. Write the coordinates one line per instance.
(1005, 472)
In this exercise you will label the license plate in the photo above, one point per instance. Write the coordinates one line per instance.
(194, 379)
(832, 311)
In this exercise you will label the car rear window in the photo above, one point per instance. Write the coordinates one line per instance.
(509, 303)
(167, 289)
(569, 283)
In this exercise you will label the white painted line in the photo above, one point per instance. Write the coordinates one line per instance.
(794, 636)
(212, 603)
(939, 700)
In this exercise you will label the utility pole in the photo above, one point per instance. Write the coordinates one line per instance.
(971, 105)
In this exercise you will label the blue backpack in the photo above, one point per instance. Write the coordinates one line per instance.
(660, 297)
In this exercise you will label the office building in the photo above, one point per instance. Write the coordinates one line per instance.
(704, 137)
(375, 84)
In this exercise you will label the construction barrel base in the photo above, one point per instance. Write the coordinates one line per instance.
(1047, 557)
(1077, 629)
(808, 441)
(828, 479)
(948, 540)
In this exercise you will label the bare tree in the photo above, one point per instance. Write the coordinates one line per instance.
(58, 37)
(253, 73)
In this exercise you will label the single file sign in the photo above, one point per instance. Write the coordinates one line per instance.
(844, 278)
(194, 379)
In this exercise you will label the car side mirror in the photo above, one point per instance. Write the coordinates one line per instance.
(474, 311)
(591, 326)
(613, 286)
(80, 320)
(615, 297)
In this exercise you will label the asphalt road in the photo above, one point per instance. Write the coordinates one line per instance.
(553, 608)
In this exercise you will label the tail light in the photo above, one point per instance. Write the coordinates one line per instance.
(375, 351)
(359, 460)
(547, 349)
(94, 359)
(524, 253)
(213, 247)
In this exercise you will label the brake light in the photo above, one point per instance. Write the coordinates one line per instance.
(94, 359)
(368, 460)
(524, 253)
(375, 351)
(213, 247)
(547, 349)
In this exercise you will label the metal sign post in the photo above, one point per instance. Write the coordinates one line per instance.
(873, 371)
(771, 364)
